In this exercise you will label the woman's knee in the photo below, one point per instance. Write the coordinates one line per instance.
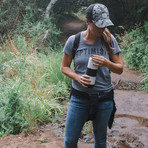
(70, 142)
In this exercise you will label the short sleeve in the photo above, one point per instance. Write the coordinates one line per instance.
(68, 48)
(115, 46)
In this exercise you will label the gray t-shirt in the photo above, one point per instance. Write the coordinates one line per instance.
(83, 52)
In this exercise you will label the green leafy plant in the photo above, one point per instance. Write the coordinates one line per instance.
(11, 117)
(29, 93)
(135, 50)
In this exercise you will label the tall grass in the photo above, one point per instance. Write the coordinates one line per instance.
(55, 61)
(32, 88)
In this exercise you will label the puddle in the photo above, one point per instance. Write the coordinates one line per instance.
(141, 120)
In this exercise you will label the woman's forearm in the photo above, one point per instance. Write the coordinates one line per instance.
(70, 73)
(115, 67)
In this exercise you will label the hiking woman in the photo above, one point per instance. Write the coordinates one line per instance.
(94, 103)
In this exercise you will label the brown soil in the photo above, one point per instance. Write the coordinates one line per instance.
(71, 28)
(43, 137)
(130, 129)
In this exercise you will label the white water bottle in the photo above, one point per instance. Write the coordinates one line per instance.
(91, 72)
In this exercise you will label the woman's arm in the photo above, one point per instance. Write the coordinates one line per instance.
(65, 68)
(115, 65)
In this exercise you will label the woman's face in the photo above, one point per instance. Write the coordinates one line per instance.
(94, 29)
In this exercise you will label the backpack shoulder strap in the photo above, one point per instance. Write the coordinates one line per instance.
(76, 43)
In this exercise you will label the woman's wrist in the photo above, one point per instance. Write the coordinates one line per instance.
(78, 78)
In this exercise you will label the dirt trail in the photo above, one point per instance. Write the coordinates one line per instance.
(71, 28)
(130, 129)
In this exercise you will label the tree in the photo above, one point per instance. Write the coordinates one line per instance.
(49, 8)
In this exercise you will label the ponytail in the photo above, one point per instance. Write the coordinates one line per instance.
(107, 40)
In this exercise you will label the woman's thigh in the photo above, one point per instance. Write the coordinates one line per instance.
(76, 117)
(100, 123)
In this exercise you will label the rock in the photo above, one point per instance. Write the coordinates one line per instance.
(128, 80)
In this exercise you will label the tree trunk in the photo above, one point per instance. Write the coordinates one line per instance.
(47, 14)
(49, 8)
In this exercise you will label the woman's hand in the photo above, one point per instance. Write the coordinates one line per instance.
(84, 80)
(115, 64)
(100, 60)
(65, 68)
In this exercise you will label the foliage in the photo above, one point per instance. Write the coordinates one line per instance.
(69, 6)
(25, 18)
(28, 16)
(29, 96)
(55, 69)
(135, 49)
(126, 12)
(12, 120)
(36, 31)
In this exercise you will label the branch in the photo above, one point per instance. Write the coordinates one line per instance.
(44, 38)
(49, 8)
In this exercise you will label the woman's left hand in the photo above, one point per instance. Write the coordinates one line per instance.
(100, 60)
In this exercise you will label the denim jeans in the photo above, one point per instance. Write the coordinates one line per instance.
(77, 115)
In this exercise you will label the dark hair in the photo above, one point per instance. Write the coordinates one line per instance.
(106, 37)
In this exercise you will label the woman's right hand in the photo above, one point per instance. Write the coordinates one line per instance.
(65, 68)
(84, 80)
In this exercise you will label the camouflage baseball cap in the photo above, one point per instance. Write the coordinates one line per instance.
(99, 15)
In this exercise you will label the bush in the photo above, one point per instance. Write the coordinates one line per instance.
(32, 91)
(135, 50)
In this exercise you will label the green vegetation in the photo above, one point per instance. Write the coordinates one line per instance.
(29, 95)
(135, 51)
(32, 87)
(31, 84)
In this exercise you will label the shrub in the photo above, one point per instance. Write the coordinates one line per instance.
(32, 91)
(135, 50)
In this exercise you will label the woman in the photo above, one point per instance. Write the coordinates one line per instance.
(95, 103)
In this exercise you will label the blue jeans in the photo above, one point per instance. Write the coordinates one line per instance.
(77, 115)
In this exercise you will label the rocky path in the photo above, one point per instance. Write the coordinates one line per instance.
(130, 129)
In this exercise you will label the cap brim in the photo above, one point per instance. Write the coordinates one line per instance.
(104, 23)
